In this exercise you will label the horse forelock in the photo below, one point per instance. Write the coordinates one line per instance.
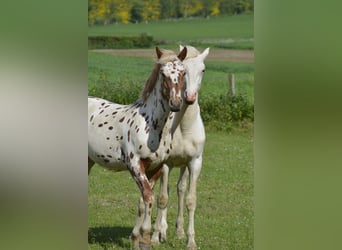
(167, 56)
(191, 52)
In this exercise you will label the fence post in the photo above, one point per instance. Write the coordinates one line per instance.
(231, 90)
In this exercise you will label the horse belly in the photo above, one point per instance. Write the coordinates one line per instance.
(107, 158)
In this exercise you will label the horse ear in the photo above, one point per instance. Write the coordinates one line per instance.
(182, 54)
(159, 53)
(205, 53)
(181, 47)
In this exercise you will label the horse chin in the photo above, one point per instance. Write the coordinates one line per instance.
(175, 109)
(190, 102)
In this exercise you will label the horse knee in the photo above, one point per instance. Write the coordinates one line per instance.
(162, 201)
(181, 187)
(191, 202)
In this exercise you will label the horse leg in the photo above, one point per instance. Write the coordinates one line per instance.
(181, 188)
(145, 182)
(194, 169)
(136, 230)
(90, 164)
(160, 226)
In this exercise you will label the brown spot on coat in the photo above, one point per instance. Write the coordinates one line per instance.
(122, 119)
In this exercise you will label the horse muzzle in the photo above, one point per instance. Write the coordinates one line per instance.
(190, 98)
(175, 105)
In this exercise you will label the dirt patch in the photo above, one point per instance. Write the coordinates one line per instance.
(218, 55)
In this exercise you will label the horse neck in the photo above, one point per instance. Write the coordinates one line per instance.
(186, 117)
(156, 108)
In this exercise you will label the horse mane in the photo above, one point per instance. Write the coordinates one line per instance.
(167, 56)
(191, 52)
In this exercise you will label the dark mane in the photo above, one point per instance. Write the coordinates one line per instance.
(167, 56)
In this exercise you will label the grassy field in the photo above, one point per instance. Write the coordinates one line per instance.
(128, 71)
(223, 31)
(224, 214)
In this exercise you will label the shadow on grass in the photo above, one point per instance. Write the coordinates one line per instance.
(109, 235)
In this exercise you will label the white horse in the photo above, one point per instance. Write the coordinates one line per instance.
(188, 143)
(137, 137)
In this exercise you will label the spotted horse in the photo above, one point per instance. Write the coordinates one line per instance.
(137, 137)
(188, 143)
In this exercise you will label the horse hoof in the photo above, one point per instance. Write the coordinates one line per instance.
(143, 246)
(180, 234)
(155, 239)
(192, 246)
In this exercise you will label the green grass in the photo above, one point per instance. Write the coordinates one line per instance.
(224, 214)
(120, 70)
(223, 31)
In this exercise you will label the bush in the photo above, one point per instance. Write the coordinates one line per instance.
(112, 42)
(220, 112)
(125, 92)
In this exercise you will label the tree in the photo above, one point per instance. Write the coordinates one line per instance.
(190, 7)
(136, 11)
(210, 7)
(151, 10)
(99, 11)
(168, 9)
(122, 10)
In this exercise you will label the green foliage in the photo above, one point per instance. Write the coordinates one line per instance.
(104, 12)
(123, 42)
(220, 112)
(125, 92)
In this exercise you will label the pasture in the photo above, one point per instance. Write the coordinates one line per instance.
(222, 31)
(131, 72)
(224, 214)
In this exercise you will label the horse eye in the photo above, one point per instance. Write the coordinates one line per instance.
(203, 71)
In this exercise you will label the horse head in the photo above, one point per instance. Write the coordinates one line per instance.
(194, 66)
(172, 73)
